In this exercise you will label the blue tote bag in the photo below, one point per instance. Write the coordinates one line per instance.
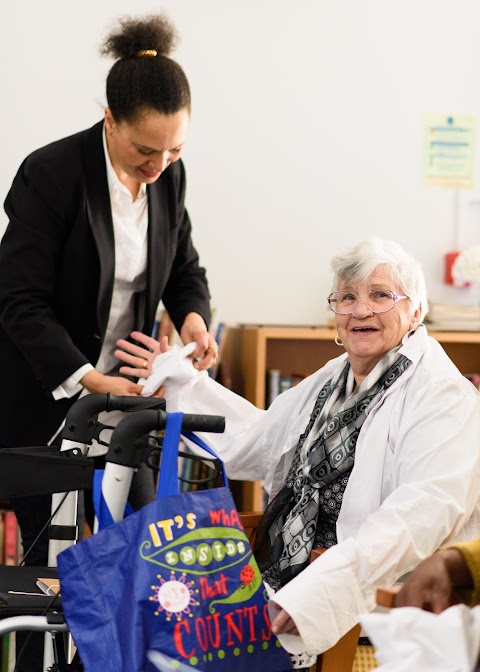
(177, 577)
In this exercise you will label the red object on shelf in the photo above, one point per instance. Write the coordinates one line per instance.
(448, 278)
(449, 259)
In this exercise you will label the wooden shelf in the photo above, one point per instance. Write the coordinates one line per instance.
(303, 350)
(292, 350)
(463, 348)
(455, 336)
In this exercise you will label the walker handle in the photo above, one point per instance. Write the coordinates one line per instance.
(115, 403)
(122, 448)
(81, 421)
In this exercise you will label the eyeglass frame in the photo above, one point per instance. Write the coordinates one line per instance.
(395, 297)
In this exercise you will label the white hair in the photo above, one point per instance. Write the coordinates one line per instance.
(358, 263)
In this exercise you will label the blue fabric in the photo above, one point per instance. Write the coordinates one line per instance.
(100, 507)
(195, 439)
(177, 577)
(168, 477)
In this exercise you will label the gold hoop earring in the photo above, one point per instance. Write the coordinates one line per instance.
(338, 341)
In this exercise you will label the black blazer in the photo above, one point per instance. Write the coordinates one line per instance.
(57, 270)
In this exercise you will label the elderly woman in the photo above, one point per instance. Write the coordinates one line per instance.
(376, 456)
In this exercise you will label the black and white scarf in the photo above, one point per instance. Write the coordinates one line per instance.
(323, 457)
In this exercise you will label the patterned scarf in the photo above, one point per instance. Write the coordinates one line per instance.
(288, 527)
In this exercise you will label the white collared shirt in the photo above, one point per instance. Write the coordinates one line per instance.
(130, 225)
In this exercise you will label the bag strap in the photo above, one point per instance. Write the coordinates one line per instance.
(168, 478)
(102, 512)
(196, 439)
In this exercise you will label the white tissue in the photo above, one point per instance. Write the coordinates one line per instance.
(411, 639)
(174, 365)
(189, 390)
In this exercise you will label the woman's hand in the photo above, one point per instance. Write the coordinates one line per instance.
(138, 358)
(283, 622)
(194, 329)
(94, 381)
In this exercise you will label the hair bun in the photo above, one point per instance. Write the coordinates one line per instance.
(136, 37)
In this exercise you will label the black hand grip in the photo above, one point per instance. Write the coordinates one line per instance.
(115, 403)
(122, 448)
(81, 420)
(203, 423)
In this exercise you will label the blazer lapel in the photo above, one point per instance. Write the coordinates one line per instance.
(100, 218)
(158, 245)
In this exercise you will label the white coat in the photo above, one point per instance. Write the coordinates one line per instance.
(415, 484)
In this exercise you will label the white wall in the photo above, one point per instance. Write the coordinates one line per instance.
(306, 133)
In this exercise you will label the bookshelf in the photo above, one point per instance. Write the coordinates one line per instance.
(303, 350)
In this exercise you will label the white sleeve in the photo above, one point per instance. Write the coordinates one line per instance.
(240, 445)
(71, 385)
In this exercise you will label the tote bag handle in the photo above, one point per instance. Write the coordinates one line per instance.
(168, 478)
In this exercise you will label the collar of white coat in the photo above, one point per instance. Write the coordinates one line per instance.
(413, 347)
(414, 343)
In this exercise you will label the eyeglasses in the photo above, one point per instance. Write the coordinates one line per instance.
(378, 300)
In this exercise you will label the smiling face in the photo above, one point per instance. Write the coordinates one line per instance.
(141, 149)
(366, 335)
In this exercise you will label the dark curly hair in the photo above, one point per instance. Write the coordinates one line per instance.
(136, 82)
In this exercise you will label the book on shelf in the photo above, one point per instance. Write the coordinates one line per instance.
(2, 535)
(218, 329)
(474, 378)
(278, 383)
(273, 387)
(197, 474)
(185, 469)
(11, 550)
(49, 586)
(197, 470)
(10, 538)
(10, 554)
(7, 663)
(453, 317)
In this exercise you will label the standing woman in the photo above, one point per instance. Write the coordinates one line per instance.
(98, 234)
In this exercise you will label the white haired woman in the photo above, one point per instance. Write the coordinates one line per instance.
(376, 456)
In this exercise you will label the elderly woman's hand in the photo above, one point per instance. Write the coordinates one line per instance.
(283, 622)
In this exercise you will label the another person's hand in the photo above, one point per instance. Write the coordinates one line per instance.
(194, 329)
(94, 381)
(139, 359)
(283, 622)
(431, 585)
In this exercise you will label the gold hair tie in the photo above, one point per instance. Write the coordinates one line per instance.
(150, 53)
